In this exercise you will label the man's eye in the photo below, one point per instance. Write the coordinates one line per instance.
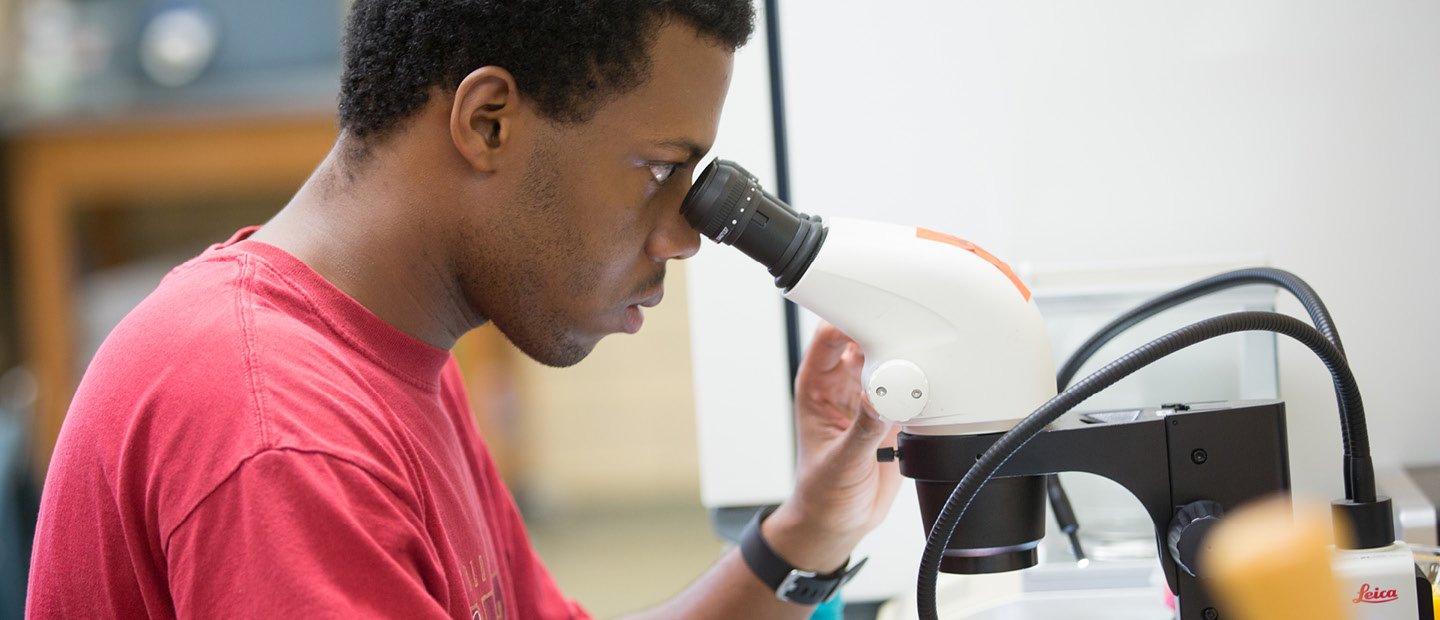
(662, 172)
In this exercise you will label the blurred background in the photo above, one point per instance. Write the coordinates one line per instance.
(1107, 149)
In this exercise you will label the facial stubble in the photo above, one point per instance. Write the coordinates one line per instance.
(529, 263)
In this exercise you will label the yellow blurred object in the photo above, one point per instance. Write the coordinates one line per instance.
(1435, 598)
(1267, 564)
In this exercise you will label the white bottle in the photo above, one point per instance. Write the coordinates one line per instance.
(1379, 584)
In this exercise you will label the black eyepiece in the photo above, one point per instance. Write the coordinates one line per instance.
(728, 205)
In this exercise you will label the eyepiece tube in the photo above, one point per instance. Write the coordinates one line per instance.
(728, 205)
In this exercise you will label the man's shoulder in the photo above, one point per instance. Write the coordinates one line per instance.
(222, 362)
(205, 332)
(223, 353)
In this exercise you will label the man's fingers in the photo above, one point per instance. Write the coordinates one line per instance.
(826, 349)
(854, 357)
(866, 434)
(889, 484)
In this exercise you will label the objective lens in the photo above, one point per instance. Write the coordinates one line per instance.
(999, 532)
(728, 205)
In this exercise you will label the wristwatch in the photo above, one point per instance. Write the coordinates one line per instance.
(789, 583)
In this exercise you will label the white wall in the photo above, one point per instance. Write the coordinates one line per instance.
(737, 319)
(1135, 132)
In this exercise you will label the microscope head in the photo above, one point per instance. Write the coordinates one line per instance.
(953, 341)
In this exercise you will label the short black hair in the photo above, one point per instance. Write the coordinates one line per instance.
(566, 55)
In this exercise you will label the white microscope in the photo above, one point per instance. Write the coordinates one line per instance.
(957, 354)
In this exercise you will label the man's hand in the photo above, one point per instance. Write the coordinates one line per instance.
(841, 491)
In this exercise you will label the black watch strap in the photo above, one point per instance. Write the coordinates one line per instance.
(789, 583)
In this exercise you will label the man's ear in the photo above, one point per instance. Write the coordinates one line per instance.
(483, 117)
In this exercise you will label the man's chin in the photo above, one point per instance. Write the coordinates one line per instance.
(562, 352)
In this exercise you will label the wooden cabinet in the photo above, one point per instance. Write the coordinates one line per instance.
(56, 173)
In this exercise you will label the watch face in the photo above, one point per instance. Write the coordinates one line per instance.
(178, 43)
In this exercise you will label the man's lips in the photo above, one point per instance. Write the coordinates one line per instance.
(652, 300)
(634, 318)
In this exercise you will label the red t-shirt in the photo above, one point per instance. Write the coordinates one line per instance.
(253, 443)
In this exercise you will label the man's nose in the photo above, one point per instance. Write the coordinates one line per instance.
(673, 238)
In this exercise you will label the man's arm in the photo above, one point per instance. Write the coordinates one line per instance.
(841, 492)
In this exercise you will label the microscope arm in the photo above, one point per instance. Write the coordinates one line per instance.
(1227, 453)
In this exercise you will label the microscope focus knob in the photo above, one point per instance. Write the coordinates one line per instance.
(1189, 531)
(899, 390)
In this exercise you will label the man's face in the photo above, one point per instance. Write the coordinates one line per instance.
(597, 211)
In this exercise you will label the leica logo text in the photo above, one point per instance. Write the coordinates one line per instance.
(1371, 594)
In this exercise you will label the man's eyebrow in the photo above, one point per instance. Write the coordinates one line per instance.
(696, 152)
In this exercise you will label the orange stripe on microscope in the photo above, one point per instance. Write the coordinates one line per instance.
(926, 233)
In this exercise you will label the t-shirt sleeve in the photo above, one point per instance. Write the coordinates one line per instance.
(295, 534)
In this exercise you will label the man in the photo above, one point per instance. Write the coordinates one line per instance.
(279, 430)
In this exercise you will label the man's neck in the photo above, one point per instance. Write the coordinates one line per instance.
(366, 232)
